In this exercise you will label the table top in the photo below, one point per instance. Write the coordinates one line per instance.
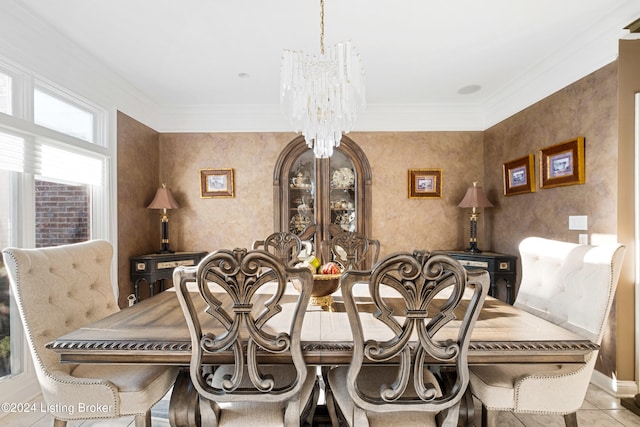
(155, 331)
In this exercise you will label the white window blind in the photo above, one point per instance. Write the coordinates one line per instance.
(60, 164)
(12, 153)
(24, 154)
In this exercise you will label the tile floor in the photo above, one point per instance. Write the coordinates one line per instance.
(599, 409)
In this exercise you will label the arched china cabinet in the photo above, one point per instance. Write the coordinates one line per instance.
(318, 198)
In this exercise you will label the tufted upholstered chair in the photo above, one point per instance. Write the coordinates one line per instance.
(352, 250)
(244, 293)
(426, 306)
(572, 286)
(284, 245)
(58, 290)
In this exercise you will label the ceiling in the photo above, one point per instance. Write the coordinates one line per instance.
(417, 54)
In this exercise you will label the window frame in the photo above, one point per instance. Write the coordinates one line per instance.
(24, 386)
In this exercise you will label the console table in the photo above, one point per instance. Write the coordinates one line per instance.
(155, 268)
(501, 267)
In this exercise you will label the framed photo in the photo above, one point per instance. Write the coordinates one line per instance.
(519, 176)
(216, 183)
(425, 183)
(562, 164)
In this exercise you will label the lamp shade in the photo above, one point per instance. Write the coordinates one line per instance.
(475, 198)
(163, 199)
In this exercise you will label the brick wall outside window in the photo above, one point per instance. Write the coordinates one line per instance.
(62, 213)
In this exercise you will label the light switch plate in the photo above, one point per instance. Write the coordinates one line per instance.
(578, 222)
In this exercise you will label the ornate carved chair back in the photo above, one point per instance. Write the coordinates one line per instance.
(428, 306)
(284, 245)
(353, 251)
(239, 307)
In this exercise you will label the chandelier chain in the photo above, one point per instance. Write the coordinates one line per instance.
(321, 27)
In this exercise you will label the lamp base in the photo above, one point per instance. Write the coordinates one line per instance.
(165, 249)
(473, 248)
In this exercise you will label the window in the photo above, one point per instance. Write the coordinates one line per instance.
(53, 190)
(62, 115)
(5, 301)
(5, 94)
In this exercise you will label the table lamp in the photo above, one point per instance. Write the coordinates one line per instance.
(164, 200)
(474, 199)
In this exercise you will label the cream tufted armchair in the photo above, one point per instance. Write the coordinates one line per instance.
(58, 290)
(572, 286)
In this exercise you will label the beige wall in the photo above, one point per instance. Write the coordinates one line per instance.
(398, 222)
(586, 108)
(138, 171)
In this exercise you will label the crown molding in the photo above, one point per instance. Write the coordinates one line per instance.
(34, 44)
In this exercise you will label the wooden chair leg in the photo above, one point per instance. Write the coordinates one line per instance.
(143, 420)
(571, 420)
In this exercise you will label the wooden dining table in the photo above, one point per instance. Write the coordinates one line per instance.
(154, 331)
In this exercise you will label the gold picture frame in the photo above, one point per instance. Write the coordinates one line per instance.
(216, 183)
(425, 183)
(519, 176)
(562, 164)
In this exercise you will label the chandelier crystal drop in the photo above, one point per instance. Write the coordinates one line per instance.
(322, 94)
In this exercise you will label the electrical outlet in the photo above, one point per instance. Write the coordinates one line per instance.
(583, 239)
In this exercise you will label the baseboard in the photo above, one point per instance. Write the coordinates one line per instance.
(614, 387)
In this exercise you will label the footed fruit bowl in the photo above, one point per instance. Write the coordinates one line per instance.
(325, 284)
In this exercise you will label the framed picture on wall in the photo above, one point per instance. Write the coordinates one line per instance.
(519, 176)
(216, 183)
(425, 183)
(562, 164)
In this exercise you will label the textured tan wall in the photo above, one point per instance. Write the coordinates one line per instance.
(399, 223)
(586, 108)
(138, 170)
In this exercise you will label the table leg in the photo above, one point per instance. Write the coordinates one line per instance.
(466, 413)
(183, 406)
(186, 407)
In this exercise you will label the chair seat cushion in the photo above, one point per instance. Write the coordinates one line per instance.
(369, 382)
(495, 385)
(137, 385)
(247, 414)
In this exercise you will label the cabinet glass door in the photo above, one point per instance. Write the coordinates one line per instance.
(302, 193)
(319, 198)
(343, 197)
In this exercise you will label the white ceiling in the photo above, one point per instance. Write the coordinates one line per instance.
(417, 54)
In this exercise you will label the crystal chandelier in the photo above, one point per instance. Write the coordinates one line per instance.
(323, 94)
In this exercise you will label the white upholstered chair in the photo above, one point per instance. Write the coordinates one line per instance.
(244, 294)
(415, 304)
(58, 290)
(572, 286)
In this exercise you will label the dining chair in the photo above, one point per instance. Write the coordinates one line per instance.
(572, 286)
(425, 307)
(246, 293)
(284, 245)
(351, 250)
(58, 290)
